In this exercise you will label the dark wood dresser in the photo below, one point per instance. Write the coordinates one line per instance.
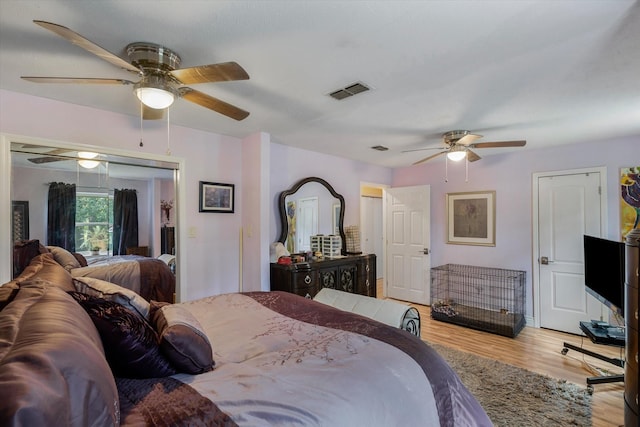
(352, 273)
(632, 264)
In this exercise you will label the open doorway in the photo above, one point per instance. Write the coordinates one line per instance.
(371, 232)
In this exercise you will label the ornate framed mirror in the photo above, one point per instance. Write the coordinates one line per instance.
(322, 198)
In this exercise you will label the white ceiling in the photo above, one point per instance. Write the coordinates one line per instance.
(550, 72)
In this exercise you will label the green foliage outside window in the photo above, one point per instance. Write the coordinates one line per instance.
(94, 216)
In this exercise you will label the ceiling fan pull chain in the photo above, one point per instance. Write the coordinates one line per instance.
(168, 134)
(141, 128)
(446, 169)
(466, 168)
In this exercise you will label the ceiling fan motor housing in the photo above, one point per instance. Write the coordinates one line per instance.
(153, 58)
(454, 136)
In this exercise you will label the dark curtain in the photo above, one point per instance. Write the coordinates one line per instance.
(61, 216)
(125, 221)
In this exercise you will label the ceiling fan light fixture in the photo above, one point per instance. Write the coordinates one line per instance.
(155, 92)
(456, 154)
(86, 161)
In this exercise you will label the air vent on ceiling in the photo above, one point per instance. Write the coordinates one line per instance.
(380, 148)
(348, 91)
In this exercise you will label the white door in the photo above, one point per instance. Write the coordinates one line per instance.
(569, 206)
(371, 220)
(407, 237)
(307, 223)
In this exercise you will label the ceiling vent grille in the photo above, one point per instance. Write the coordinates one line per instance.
(348, 91)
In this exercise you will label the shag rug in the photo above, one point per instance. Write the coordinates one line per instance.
(513, 396)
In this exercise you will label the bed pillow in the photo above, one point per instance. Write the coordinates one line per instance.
(182, 339)
(81, 259)
(53, 369)
(64, 258)
(44, 267)
(23, 252)
(130, 343)
(7, 293)
(112, 292)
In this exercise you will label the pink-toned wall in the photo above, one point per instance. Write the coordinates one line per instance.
(510, 175)
(211, 256)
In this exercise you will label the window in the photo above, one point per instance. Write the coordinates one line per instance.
(94, 219)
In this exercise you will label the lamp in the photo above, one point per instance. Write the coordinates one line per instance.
(457, 153)
(86, 162)
(155, 92)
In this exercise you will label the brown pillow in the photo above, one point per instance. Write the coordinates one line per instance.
(7, 293)
(44, 267)
(182, 339)
(112, 292)
(81, 259)
(64, 257)
(130, 343)
(52, 365)
(23, 253)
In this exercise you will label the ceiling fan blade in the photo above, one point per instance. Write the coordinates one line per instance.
(423, 149)
(212, 103)
(77, 80)
(87, 45)
(468, 139)
(226, 71)
(471, 156)
(46, 159)
(149, 113)
(499, 144)
(430, 157)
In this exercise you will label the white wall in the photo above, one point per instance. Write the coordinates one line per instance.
(289, 165)
(510, 175)
(210, 260)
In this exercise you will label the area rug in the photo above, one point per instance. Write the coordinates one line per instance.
(512, 396)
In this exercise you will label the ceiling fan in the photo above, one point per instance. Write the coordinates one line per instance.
(459, 144)
(161, 81)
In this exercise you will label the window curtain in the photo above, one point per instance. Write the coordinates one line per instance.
(61, 216)
(125, 220)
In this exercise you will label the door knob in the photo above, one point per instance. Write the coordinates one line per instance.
(425, 251)
(545, 260)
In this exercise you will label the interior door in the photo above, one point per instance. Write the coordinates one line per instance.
(371, 220)
(307, 223)
(407, 237)
(569, 206)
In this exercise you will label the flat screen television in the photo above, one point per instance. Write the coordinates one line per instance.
(604, 271)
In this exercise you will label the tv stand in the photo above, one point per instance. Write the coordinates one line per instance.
(598, 333)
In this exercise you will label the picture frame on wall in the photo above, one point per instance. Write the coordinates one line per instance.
(20, 220)
(471, 218)
(217, 197)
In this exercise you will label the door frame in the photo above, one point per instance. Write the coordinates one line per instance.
(363, 188)
(602, 170)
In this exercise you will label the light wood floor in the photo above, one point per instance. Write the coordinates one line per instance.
(538, 350)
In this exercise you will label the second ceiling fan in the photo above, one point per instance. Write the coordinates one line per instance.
(161, 81)
(459, 144)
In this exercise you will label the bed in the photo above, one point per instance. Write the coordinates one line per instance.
(151, 278)
(241, 359)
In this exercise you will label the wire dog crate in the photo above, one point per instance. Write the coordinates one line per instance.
(489, 299)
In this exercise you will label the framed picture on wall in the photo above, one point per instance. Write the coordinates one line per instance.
(471, 218)
(20, 220)
(216, 197)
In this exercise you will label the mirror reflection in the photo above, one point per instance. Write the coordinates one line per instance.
(309, 208)
(99, 208)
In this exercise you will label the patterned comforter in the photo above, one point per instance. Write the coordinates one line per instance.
(284, 360)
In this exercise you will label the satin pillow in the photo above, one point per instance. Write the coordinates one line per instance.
(130, 344)
(182, 339)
